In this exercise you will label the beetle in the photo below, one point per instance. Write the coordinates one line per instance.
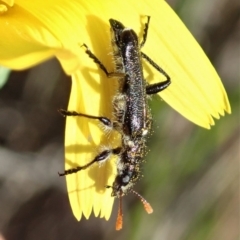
(131, 114)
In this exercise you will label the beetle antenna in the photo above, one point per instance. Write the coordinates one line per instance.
(119, 222)
(146, 204)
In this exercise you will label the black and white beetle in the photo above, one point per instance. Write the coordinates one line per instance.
(131, 114)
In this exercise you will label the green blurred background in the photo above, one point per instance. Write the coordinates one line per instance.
(191, 177)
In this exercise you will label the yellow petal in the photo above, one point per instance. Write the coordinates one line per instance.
(5, 4)
(33, 31)
(83, 138)
(20, 39)
(196, 90)
(9, 3)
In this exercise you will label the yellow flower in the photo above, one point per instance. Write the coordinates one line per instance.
(33, 31)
